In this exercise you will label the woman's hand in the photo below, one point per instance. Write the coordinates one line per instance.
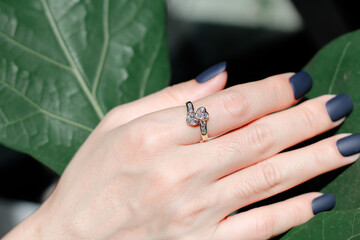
(148, 177)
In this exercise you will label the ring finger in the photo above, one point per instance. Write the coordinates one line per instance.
(236, 106)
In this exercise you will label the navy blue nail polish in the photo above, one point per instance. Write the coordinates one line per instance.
(349, 145)
(323, 203)
(211, 72)
(301, 83)
(339, 106)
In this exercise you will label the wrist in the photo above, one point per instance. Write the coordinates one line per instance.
(28, 229)
(36, 226)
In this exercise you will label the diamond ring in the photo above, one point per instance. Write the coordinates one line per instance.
(201, 116)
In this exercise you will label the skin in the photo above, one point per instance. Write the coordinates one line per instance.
(142, 173)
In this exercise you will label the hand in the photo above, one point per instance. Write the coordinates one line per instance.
(148, 177)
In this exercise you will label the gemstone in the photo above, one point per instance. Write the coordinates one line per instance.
(190, 107)
(203, 127)
(202, 114)
(191, 119)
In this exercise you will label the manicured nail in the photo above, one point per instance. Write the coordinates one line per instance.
(323, 203)
(339, 106)
(211, 72)
(349, 145)
(301, 83)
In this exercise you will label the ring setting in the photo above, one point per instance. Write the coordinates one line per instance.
(200, 117)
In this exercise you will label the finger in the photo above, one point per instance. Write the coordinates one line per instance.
(239, 105)
(229, 109)
(271, 134)
(268, 221)
(171, 96)
(286, 170)
(234, 107)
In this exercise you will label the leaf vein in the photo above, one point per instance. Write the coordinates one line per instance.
(45, 112)
(22, 119)
(353, 236)
(105, 47)
(333, 80)
(150, 67)
(115, 31)
(75, 67)
(35, 53)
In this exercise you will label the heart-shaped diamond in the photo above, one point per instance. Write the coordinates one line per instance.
(202, 114)
(191, 119)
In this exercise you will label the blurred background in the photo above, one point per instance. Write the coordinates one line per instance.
(257, 38)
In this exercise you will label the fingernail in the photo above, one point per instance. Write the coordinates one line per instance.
(211, 72)
(339, 106)
(301, 83)
(323, 203)
(349, 145)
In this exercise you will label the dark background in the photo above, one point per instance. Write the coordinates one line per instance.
(255, 53)
(252, 53)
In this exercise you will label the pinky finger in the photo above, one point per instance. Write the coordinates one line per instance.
(268, 221)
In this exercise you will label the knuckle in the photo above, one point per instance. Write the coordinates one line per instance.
(277, 88)
(297, 214)
(227, 149)
(184, 217)
(270, 174)
(309, 117)
(265, 226)
(141, 134)
(112, 113)
(172, 95)
(164, 180)
(322, 153)
(132, 135)
(111, 119)
(244, 190)
(261, 138)
(174, 175)
(235, 104)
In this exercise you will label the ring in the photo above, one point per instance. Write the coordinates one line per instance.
(200, 117)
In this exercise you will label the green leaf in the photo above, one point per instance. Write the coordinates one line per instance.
(336, 69)
(326, 226)
(64, 64)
